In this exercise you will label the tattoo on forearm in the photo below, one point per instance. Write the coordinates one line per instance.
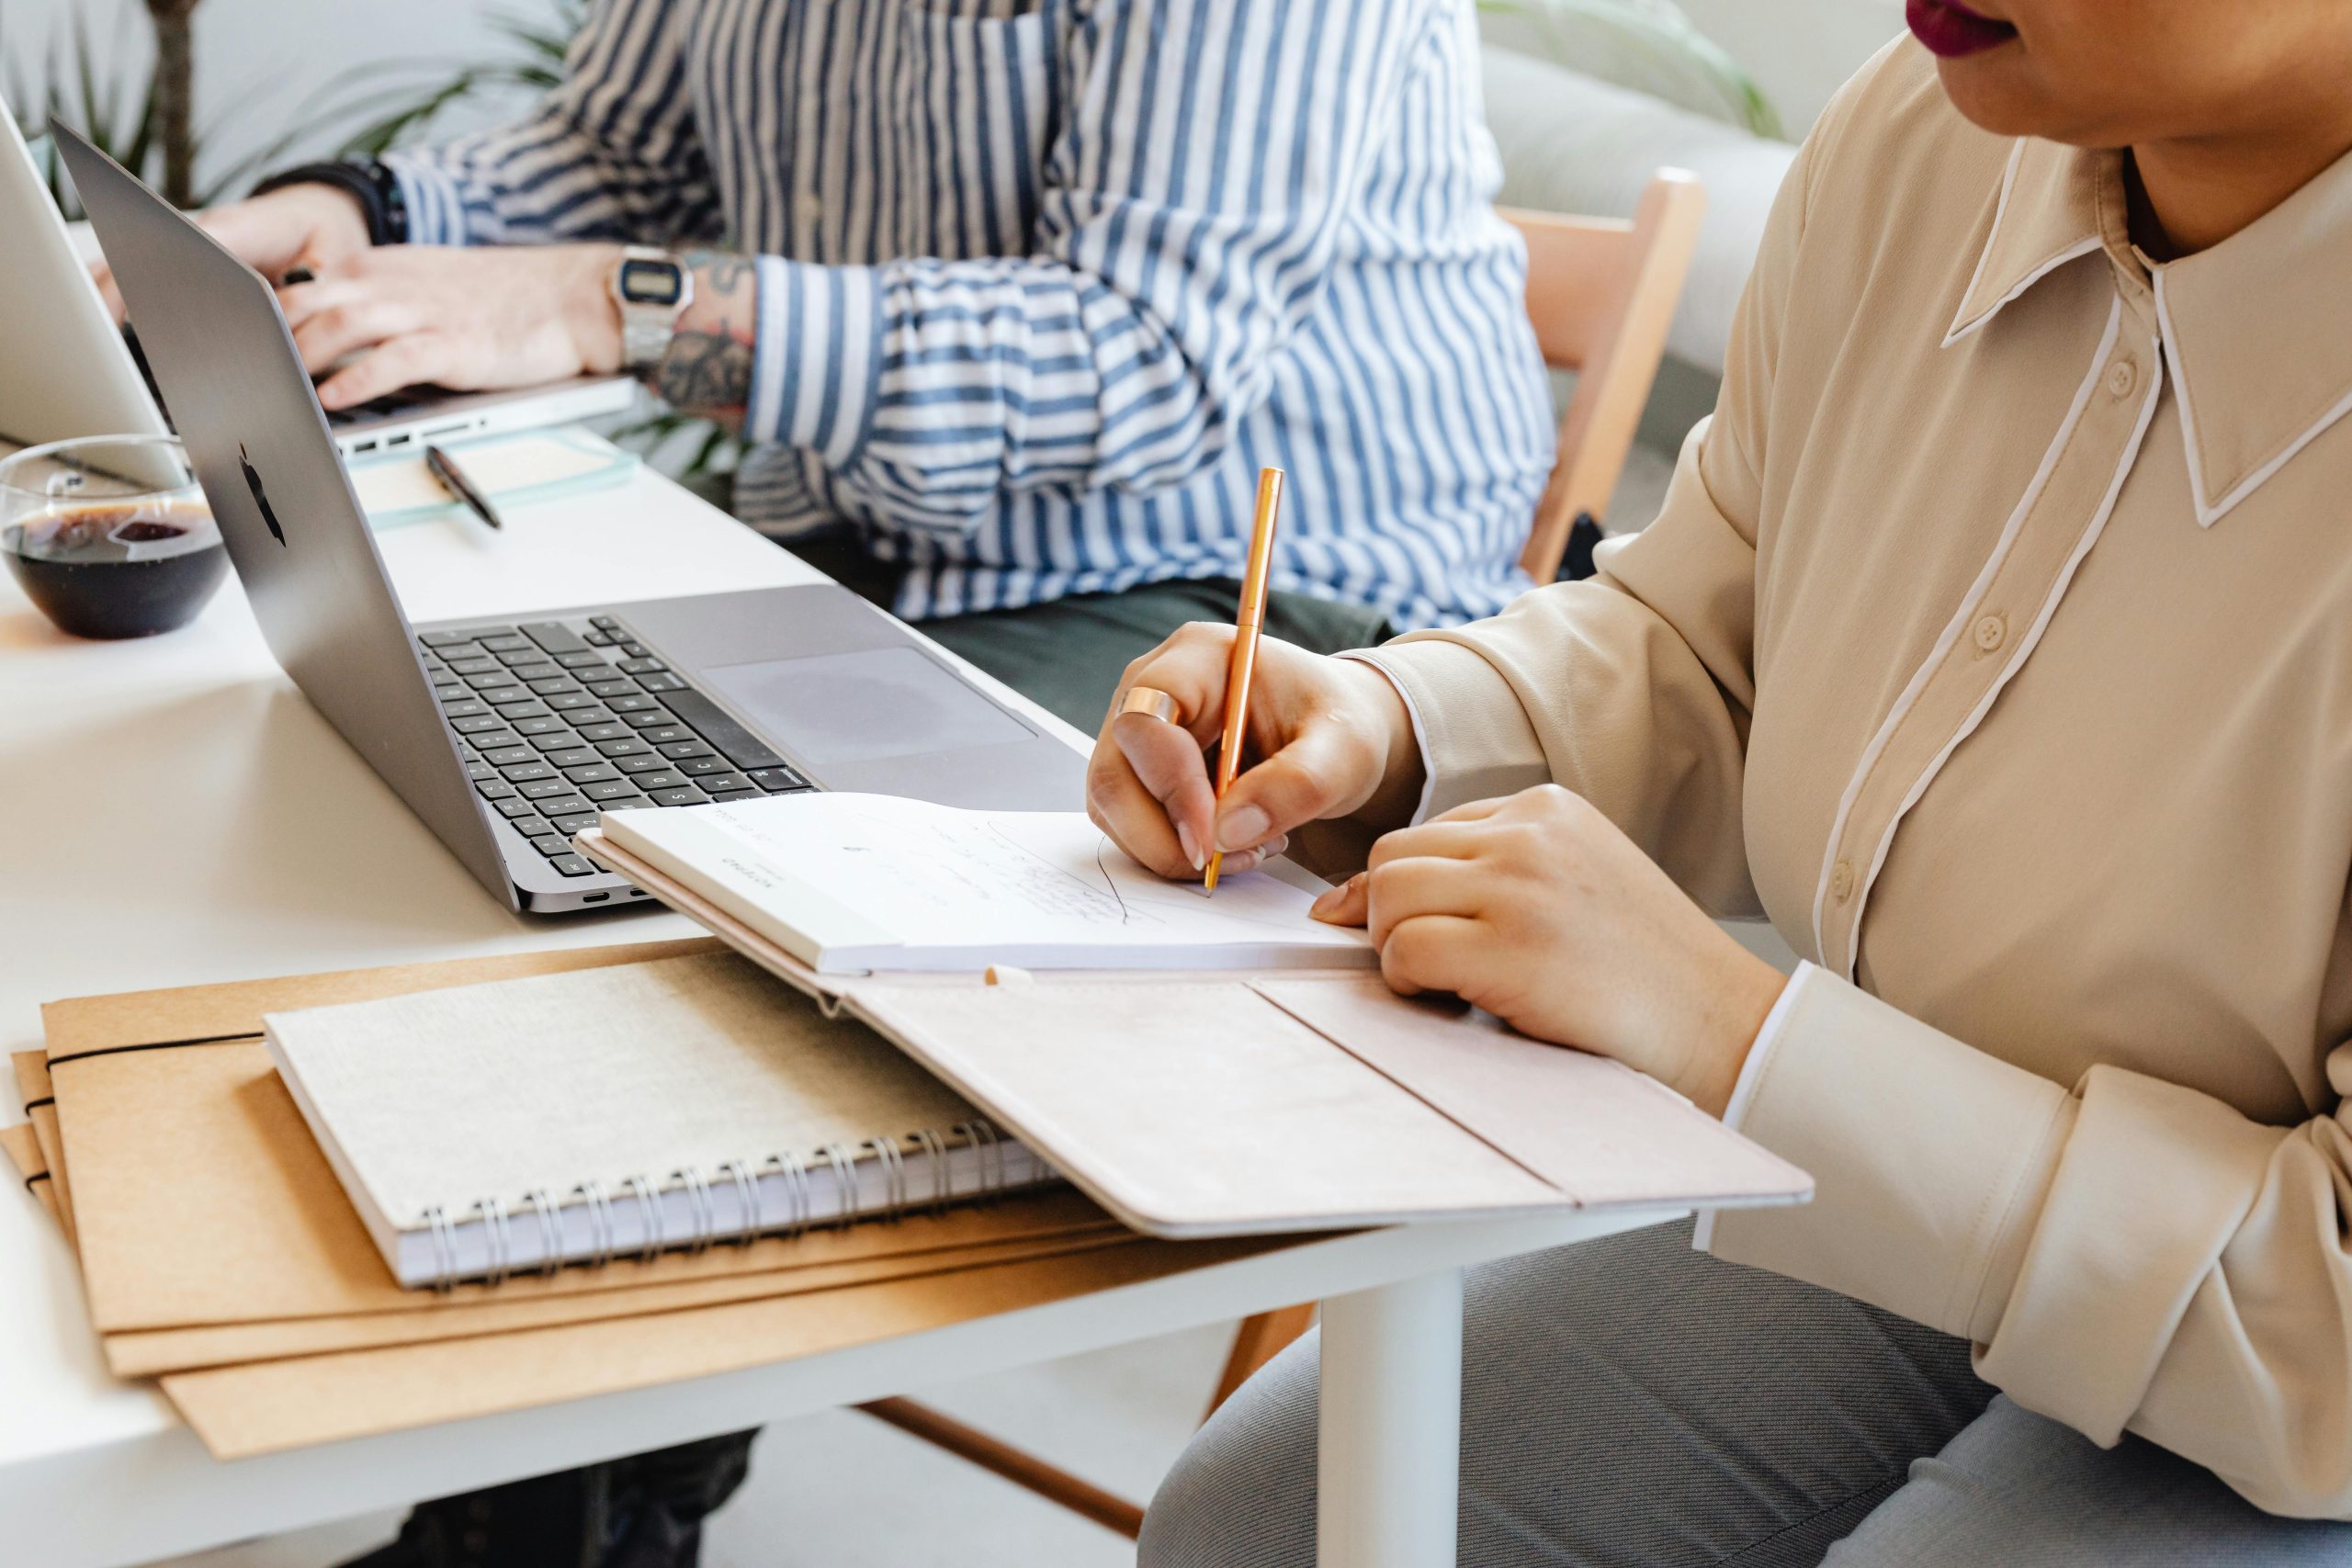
(705, 373)
(723, 271)
(707, 370)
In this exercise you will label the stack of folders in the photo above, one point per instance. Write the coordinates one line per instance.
(586, 1106)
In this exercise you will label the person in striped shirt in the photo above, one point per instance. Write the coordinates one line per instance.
(1014, 298)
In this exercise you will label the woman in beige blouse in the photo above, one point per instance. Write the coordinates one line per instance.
(1995, 642)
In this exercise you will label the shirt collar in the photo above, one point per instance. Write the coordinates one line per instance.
(2256, 331)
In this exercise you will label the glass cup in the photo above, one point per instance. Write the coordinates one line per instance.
(110, 535)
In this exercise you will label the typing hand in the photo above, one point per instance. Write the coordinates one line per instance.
(1537, 909)
(1332, 734)
(471, 319)
(312, 226)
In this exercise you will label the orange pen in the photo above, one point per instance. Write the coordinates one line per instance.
(1246, 626)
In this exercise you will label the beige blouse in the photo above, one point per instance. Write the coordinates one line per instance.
(1996, 641)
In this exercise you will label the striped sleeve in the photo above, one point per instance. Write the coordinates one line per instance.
(611, 154)
(1190, 216)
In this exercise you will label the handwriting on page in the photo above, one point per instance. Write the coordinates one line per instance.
(930, 873)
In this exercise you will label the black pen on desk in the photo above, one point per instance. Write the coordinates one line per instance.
(445, 469)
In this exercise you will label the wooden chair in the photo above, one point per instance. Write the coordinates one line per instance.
(1600, 293)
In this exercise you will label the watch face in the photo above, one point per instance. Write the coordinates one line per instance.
(651, 282)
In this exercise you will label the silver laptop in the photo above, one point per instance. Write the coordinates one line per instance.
(508, 735)
(79, 376)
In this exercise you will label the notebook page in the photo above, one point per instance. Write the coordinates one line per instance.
(862, 881)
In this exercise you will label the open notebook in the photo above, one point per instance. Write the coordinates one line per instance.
(1199, 1067)
(617, 1111)
(853, 883)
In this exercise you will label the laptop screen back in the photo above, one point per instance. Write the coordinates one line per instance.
(229, 369)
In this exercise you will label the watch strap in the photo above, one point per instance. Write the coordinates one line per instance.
(648, 327)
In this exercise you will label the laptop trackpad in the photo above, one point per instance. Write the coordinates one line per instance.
(863, 706)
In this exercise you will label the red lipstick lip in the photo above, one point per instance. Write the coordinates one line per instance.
(1952, 30)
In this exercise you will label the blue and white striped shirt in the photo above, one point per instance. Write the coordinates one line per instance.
(1042, 283)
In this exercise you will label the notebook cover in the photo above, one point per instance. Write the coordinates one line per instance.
(16, 1141)
(40, 1116)
(1201, 1105)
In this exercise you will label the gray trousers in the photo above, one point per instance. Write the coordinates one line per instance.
(1631, 1403)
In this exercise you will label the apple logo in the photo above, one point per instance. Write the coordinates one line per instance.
(252, 483)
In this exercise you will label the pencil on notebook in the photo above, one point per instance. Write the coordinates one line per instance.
(1243, 663)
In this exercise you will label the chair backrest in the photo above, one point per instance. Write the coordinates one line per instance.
(1600, 293)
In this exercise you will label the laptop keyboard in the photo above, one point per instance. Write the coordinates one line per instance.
(558, 720)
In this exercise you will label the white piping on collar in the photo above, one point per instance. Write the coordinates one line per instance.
(2209, 512)
(1960, 620)
(2021, 652)
(1960, 328)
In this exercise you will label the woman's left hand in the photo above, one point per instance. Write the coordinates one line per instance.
(466, 318)
(1536, 908)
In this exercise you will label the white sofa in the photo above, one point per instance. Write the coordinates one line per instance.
(1573, 144)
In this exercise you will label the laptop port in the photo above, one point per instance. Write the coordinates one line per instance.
(594, 897)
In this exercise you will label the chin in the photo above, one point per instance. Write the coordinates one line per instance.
(1990, 91)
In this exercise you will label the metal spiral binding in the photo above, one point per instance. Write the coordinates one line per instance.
(649, 1204)
(600, 1224)
(747, 1189)
(894, 1176)
(934, 1147)
(796, 1189)
(992, 1170)
(497, 1243)
(993, 1173)
(444, 1249)
(844, 1164)
(539, 1202)
(698, 1204)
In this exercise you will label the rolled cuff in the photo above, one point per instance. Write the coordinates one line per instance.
(1476, 740)
(816, 355)
(2154, 1182)
(436, 207)
(1931, 1161)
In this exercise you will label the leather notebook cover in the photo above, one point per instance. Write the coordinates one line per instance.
(1221, 1104)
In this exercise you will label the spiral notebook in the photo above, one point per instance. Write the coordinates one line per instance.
(616, 1112)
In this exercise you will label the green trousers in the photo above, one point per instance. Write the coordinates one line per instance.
(1068, 655)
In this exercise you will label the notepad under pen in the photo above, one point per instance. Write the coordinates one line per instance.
(852, 883)
(397, 487)
(619, 1113)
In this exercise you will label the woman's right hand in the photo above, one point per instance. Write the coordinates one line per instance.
(1331, 736)
(313, 226)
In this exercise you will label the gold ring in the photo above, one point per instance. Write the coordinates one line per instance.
(1151, 703)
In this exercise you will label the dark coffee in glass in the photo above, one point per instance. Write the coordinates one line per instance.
(109, 537)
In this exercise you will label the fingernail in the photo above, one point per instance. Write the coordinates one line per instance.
(1242, 830)
(1190, 845)
(1328, 902)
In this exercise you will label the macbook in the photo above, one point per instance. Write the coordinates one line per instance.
(507, 736)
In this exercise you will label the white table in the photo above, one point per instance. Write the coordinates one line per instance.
(174, 813)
